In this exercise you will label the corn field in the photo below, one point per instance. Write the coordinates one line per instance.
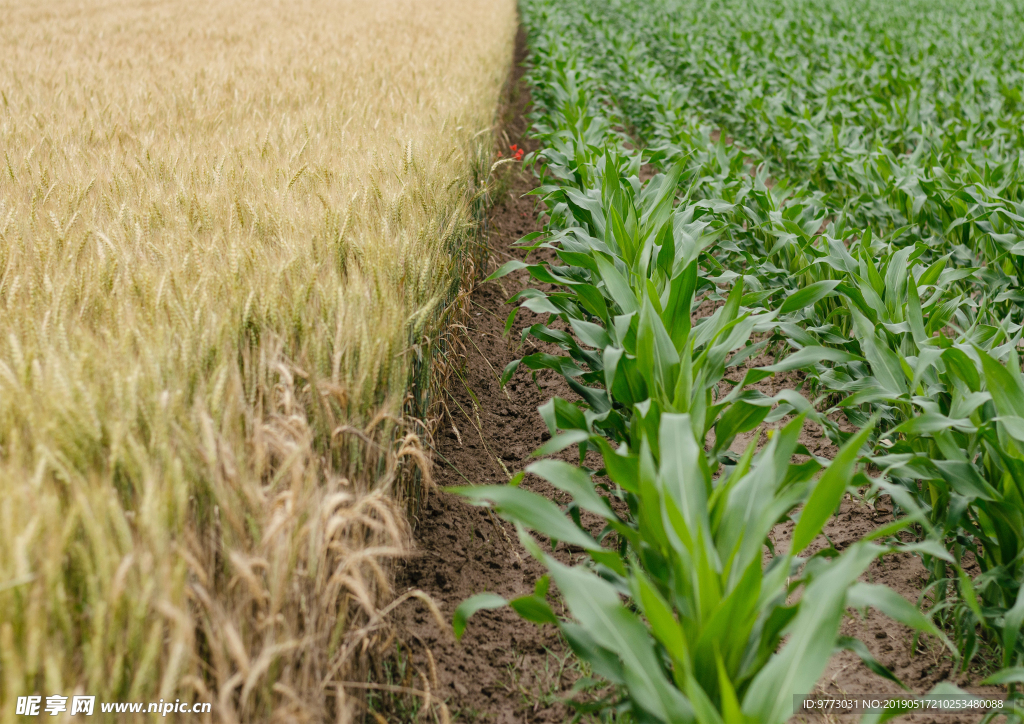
(841, 186)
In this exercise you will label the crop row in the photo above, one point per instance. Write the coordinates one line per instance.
(860, 215)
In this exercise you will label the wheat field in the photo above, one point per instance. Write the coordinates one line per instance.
(230, 235)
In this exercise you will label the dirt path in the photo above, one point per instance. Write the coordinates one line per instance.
(503, 666)
(506, 670)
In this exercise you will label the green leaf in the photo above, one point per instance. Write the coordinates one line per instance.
(963, 366)
(684, 469)
(730, 704)
(529, 509)
(677, 310)
(931, 274)
(1013, 425)
(561, 442)
(510, 320)
(623, 469)
(857, 646)
(885, 364)
(829, 491)
(896, 276)
(604, 663)
(574, 481)
(1012, 675)
(970, 597)
(663, 624)
(533, 608)
(742, 416)
(794, 670)
(507, 268)
(1006, 393)
(808, 295)
(471, 605)
(509, 372)
(618, 288)
(596, 605)
(915, 316)
(655, 353)
(593, 335)
(810, 356)
(930, 422)
(893, 605)
(928, 547)
(1011, 627)
(964, 478)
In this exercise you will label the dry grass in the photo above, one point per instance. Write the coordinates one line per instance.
(229, 232)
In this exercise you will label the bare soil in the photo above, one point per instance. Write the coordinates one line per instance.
(503, 666)
(506, 670)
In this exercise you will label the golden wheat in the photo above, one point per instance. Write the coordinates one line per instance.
(229, 232)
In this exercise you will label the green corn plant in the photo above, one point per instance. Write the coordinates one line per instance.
(961, 456)
(629, 281)
(943, 437)
(937, 156)
(892, 312)
(674, 605)
(644, 347)
(655, 608)
(862, 218)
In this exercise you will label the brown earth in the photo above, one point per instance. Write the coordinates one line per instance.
(506, 670)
